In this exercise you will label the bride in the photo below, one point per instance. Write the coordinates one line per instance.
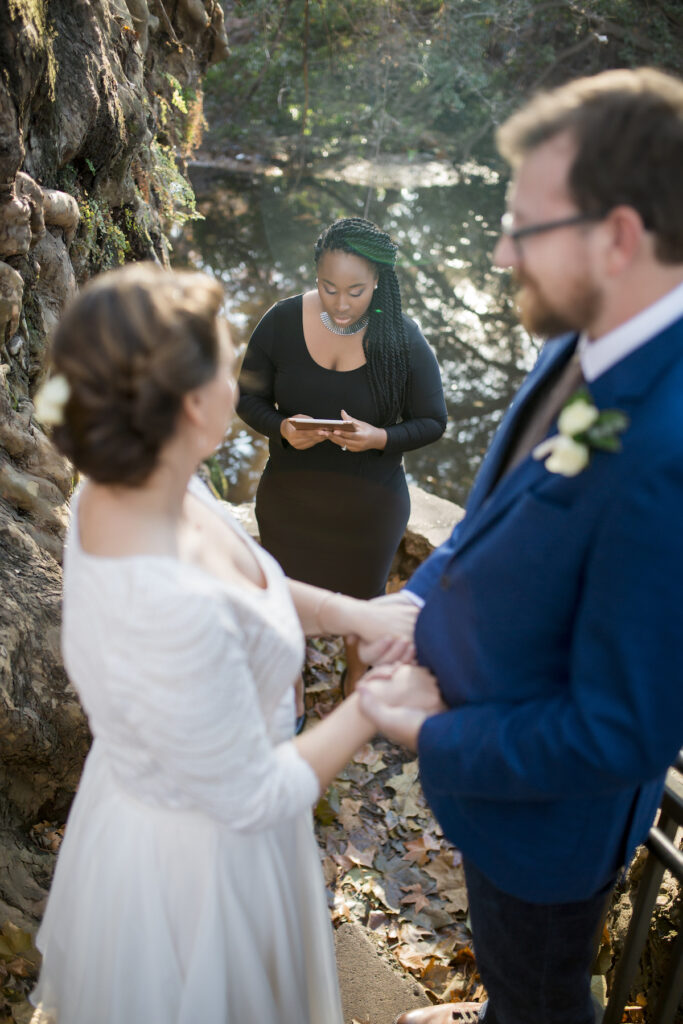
(188, 887)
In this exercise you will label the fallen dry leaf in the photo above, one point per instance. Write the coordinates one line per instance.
(411, 958)
(329, 870)
(363, 857)
(415, 896)
(367, 755)
(436, 976)
(417, 850)
(404, 782)
(348, 815)
(450, 879)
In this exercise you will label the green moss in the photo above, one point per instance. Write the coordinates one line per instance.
(136, 228)
(105, 243)
(174, 193)
(67, 180)
(177, 97)
(180, 114)
(33, 13)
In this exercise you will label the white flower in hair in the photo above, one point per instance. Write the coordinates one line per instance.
(50, 399)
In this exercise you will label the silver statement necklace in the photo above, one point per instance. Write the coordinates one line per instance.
(358, 325)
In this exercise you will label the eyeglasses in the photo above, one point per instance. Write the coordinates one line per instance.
(517, 234)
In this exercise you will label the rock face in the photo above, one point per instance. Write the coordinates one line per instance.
(98, 106)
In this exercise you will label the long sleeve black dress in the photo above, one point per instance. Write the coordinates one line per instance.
(333, 518)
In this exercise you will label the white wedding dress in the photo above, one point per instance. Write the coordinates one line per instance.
(188, 888)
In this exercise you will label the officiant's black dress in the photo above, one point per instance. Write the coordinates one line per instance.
(332, 518)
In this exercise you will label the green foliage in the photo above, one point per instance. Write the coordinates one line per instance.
(216, 477)
(174, 194)
(102, 241)
(180, 115)
(177, 97)
(396, 75)
(66, 180)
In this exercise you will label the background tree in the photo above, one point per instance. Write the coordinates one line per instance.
(320, 78)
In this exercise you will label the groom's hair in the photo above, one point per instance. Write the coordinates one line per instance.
(628, 130)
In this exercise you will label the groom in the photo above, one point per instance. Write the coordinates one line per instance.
(553, 617)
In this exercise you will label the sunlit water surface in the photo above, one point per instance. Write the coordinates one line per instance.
(257, 238)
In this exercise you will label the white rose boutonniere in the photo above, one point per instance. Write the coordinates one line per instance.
(582, 427)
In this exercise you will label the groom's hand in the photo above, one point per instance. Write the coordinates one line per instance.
(398, 699)
(388, 650)
(398, 724)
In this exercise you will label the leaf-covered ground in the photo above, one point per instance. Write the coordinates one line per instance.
(386, 864)
(385, 861)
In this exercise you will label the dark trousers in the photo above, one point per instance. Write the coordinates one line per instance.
(534, 959)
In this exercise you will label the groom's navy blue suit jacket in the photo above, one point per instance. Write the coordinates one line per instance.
(553, 620)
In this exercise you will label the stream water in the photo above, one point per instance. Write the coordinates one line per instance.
(258, 235)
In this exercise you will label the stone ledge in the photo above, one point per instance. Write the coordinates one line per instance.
(431, 522)
(372, 990)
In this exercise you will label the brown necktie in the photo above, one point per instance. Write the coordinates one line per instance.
(540, 411)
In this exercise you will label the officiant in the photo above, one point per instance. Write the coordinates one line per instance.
(333, 504)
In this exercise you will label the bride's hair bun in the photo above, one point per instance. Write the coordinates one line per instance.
(130, 346)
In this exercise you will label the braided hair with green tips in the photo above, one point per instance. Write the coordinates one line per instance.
(385, 344)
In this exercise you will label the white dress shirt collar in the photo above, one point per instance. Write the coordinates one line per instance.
(603, 353)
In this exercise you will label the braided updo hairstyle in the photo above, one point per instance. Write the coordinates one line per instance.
(130, 346)
(385, 344)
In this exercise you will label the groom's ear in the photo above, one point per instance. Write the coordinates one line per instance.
(627, 238)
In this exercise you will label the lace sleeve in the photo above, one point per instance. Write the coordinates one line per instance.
(188, 698)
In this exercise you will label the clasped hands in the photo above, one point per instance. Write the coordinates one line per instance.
(396, 694)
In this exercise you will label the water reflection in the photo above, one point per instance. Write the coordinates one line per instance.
(258, 239)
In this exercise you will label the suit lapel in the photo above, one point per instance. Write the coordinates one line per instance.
(553, 354)
(634, 377)
(623, 386)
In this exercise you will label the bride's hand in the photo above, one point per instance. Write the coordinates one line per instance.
(396, 597)
(374, 623)
(375, 620)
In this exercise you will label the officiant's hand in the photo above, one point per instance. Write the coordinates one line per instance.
(364, 437)
(302, 439)
(398, 699)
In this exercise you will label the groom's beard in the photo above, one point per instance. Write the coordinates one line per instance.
(548, 317)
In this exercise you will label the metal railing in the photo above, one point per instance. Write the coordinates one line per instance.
(662, 855)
